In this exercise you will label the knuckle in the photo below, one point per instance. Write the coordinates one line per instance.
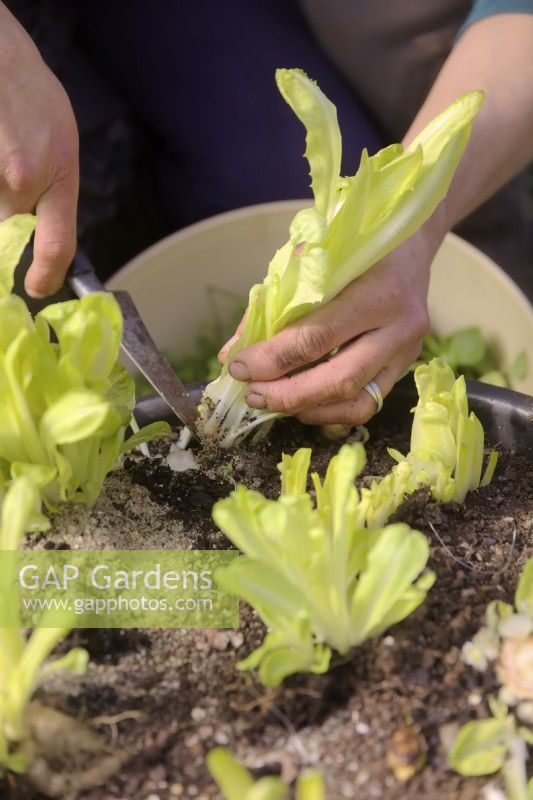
(56, 250)
(364, 413)
(345, 387)
(20, 174)
(394, 294)
(419, 320)
(287, 402)
(305, 345)
(292, 397)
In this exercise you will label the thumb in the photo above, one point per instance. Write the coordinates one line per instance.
(224, 350)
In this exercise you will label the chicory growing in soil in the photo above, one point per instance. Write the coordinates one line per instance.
(483, 747)
(237, 783)
(446, 448)
(355, 221)
(447, 441)
(64, 404)
(317, 577)
(22, 665)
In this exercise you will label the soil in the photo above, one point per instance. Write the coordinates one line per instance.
(168, 696)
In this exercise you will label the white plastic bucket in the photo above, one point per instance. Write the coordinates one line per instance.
(170, 282)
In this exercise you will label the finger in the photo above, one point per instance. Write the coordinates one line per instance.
(55, 239)
(336, 380)
(223, 352)
(311, 338)
(361, 408)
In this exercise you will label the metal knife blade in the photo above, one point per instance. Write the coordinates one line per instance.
(142, 350)
(137, 343)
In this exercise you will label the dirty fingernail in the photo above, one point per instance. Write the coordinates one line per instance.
(255, 400)
(239, 371)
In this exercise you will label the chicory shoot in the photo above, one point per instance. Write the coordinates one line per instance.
(317, 577)
(447, 441)
(65, 403)
(355, 221)
(446, 448)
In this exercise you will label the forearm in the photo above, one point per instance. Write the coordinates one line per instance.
(495, 55)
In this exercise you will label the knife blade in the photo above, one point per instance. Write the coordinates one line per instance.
(137, 343)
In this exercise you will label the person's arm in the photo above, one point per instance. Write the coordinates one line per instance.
(496, 55)
(378, 320)
(38, 155)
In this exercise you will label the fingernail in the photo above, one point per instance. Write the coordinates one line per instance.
(255, 400)
(239, 371)
(36, 295)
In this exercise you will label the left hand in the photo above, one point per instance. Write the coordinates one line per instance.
(377, 323)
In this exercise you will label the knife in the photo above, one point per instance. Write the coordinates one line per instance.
(137, 343)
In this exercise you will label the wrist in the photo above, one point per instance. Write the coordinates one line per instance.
(411, 261)
(430, 235)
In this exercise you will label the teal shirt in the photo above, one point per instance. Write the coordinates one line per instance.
(487, 8)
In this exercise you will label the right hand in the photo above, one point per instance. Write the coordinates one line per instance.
(39, 167)
(375, 325)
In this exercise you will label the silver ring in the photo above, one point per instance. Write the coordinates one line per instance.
(375, 393)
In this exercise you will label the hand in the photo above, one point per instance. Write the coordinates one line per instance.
(377, 322)
(38, 155)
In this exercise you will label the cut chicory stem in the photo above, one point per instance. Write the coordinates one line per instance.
(354, 222)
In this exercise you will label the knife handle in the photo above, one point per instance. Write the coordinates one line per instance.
(81, 276)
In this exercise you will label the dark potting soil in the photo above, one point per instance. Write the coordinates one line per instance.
(169, 696)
